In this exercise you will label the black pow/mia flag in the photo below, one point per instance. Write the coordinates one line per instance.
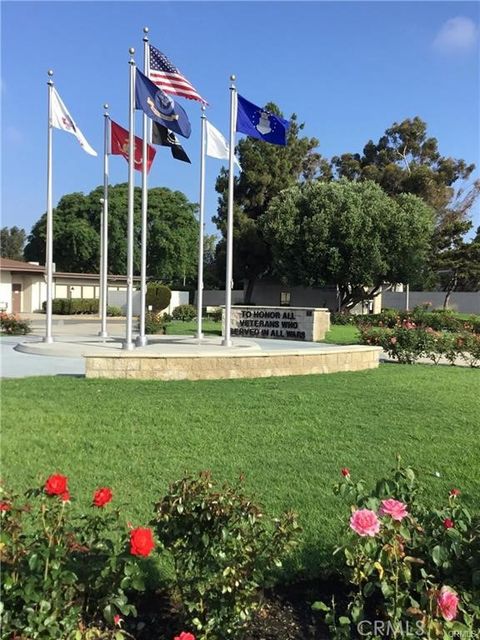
(166, 138)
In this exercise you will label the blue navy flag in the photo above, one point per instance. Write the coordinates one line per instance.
(160, 107)
(261, 124)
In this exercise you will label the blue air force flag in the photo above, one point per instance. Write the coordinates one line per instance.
(261, 124)
(160, 107)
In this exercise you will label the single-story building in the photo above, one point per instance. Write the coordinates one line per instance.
(23, 285)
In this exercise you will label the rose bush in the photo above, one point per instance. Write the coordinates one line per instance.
(411, 567)
(64, 574)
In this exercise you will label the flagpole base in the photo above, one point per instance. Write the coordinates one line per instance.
(47, 339)
(227, 342)
(128, 346)
(200, 336)
(102, 334)
(141, 341)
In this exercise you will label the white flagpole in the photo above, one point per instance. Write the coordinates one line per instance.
(201, 222)
(104, 229)
(141, 340)
(227, 341)
(49, 248)
(128, 344)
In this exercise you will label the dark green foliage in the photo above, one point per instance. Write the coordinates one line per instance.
(73, 306)
(158, 296)
(349, 234)
(184, 312)
(12, 240)
(172, 233)
(223, 548)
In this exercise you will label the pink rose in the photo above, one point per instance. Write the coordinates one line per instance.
(448, 524)
(447, 602)
(345, 472)
(454, 493)
(365, 522)
(393, 508)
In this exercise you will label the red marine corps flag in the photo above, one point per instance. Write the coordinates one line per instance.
(119, 146)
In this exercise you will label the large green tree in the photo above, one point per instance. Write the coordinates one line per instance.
(406, 160)
(12, 240)
(172, 233)
(349, 234)
(266, 170)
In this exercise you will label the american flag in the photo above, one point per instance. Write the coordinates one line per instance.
(166, 76)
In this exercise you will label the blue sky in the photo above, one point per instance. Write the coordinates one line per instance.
(348, 69)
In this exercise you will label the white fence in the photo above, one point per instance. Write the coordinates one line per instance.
(462, 301)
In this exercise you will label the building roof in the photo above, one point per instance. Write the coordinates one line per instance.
(7, 264)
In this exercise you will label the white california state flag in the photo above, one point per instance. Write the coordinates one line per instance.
(61, 119)
(217, 146)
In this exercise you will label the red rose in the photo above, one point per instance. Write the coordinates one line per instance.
(141, 542)
(454, 493)
(448, 524)
(185, 636)
(56, 485)
(345, 472)
(65, 497)
(4, 506)
(117, 620)
(102, 496)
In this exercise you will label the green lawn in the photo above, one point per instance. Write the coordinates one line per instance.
(342, 334)
(179, 328)
(290, 436)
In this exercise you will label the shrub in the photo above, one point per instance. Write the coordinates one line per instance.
(337, 317)
(113, 311)
(222, 549)
(11, 324)
(154, 323)
(184, 312)
(217, 314)
(64, 573)
(73, 306)
(158, 296)
(413, 569)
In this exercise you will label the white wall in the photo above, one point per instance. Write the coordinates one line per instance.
(178, 298)
(6, 290)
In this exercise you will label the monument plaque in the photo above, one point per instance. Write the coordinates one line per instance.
(281, 323)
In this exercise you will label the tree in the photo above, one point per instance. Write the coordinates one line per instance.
(405, 160)
(349, 234)
(457, 263)
(12, 240)
(172, 233)
(266, 170)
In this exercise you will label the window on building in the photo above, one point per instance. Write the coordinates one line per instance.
(285, 298)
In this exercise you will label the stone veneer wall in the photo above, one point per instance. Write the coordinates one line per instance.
(224, 367)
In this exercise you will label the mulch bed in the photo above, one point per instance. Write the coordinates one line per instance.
(287, 614)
